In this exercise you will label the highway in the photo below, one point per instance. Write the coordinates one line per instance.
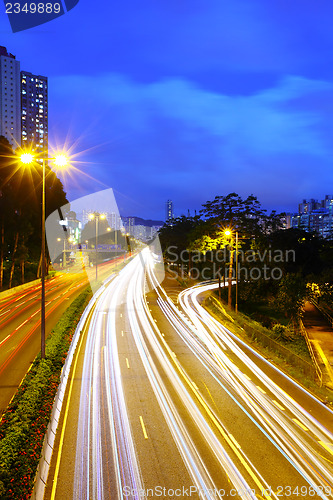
(164, 401)
(20, 327)
(20, 323)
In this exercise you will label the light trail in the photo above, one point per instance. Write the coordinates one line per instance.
(107, 458)
(210, 341)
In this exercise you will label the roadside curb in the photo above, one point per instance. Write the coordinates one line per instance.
(19, 288)
(16, 289)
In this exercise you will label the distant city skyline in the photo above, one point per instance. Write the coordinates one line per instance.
(189, 101)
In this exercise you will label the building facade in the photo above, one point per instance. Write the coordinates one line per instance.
(10, 98)
(23, 105)
(34, 108)
(169, 215)
(314, 216)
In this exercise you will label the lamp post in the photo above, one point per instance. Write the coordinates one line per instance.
(60, 161)
(96, 216)
(236, 301)
(64, 252)
(228, 232)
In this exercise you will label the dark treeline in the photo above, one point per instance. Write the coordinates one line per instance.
(20, 215)
(277, 268)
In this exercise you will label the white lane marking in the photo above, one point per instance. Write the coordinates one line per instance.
(278, 404)
(300, 424)
(4, 340)
(24, 322)
(143, 428)
(234, 441)
(327, 446)
(260, 389)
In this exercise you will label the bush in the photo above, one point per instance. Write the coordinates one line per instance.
(281, 332)
(24, 423)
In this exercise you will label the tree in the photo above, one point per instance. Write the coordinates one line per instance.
(291, 296)
(20, 209)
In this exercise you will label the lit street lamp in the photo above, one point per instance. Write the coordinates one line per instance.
(229, 233)
(96, 216)
(60, 161)
(63, 253)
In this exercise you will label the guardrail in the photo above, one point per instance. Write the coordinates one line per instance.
(327, 316)
(306, 367)
(319, 373)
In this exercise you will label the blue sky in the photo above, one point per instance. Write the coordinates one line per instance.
(190, 99)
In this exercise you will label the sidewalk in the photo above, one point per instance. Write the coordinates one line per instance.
(320, 335)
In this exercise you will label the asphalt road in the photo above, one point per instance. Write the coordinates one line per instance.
(20, 327)
(163, 401)
(20, 323)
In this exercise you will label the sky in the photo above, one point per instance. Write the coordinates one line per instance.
(189, 99)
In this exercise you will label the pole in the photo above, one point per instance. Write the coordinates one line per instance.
(96, 237)
(64, 258)
(236, 301)
(231, 251)
(42, 319)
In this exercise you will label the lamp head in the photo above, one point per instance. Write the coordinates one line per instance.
(61, 160)
(27, 158)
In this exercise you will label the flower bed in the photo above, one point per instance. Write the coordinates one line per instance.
(25, 420)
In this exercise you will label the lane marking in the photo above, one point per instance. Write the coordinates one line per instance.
(127, 363)
(4, 340)
(300, 424)
(143, 428)
(122, 333)
(278, 405)
(327, 446)
(246, 376)
(234, 441)
(260, 389)
(24, 322)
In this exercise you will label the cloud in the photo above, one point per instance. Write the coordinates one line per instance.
(172, 136)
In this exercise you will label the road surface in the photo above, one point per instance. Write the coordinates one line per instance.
(20, 323)
(164, 401)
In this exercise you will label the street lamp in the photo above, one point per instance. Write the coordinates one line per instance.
(60, 161)
(70, 240)
(228, 232)
(96, 216)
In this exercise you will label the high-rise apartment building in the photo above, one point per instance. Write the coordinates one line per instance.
(314, 216)
(34, 106)
(23, 105)
(10, 98)
(169, 211)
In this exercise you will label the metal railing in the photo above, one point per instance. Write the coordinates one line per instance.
(309, 369)
(319, 373)
(322, 310)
